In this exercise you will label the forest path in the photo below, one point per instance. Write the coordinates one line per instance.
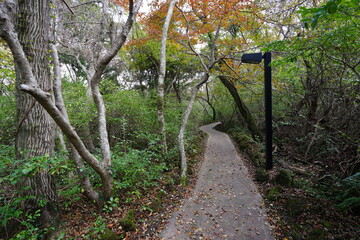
(225, 203)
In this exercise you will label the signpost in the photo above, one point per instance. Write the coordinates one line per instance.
(256, 58)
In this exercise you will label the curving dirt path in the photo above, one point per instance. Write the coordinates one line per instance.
(225, 203)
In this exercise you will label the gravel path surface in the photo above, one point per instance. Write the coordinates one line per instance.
(225, 203)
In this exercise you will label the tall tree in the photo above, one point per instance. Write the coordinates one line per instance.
(35, 128)
(162, 72)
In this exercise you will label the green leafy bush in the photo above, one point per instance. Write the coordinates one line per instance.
(12, 172)
(7, 116)
(97, 230)
(137, 169)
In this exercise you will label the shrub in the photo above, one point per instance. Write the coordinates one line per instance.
(137, 169)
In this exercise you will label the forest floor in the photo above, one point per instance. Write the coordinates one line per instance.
(225, 203)
(296, 212)
(221, 202)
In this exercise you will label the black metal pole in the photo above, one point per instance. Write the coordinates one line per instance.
(268, 110)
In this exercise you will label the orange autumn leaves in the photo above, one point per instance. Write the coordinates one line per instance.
(199, 21)
(202, 18)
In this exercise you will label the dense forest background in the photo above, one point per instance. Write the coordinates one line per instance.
(104, 122)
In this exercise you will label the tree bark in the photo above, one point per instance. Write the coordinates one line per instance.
(195, 89)
(103, 61)
(207, 99)
(89, 191)
(35, 129)
(162, 73)
(244, 111)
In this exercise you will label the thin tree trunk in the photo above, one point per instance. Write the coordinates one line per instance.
(89, 191)
(103, 61)
(250, 122)
(162, 72)
(195, 89)
(104, 138)
(208, 101)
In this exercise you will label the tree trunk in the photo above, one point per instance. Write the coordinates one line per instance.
(101, 64)
(184, 179)
(89, 191)
(311, 97)
(208, 101)
(250, 122)
(35, 128)
(162, 72)
(61, 141)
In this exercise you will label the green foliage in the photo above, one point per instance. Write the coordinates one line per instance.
(350, 203)
(137, 169)
(144, 60)
(330, 10)
(111, 204)
(222, 101)
(97, 230)
(273, 193)
(130, 116)
(7, 70)
(70, 189)
(80, 111)
(261, 175)
(30, 232)
(109, 235)
(7, 118)
(316, 233)
(12, 172)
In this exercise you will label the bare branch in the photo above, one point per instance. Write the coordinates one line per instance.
(68, 7)
(189, 42)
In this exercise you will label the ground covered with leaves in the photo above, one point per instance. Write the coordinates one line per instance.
(133, 215)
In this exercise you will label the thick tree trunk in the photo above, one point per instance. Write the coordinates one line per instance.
(36, 130)
(162, 72)
(184, 179)
(250, 122)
